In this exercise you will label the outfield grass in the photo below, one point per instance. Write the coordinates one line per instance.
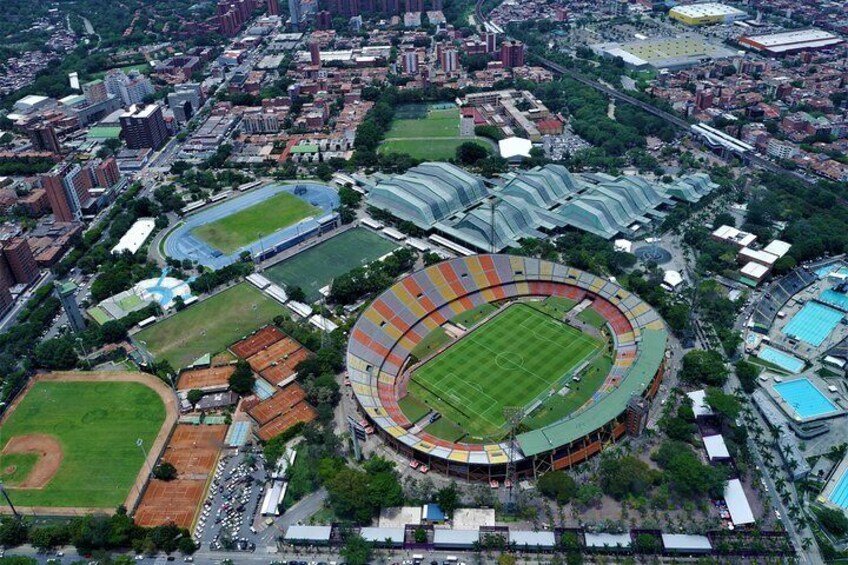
(430, 149)
(97, 425)
(470, 318)
(209, 326)
(518, 356)
(231, 233)
(317, 266)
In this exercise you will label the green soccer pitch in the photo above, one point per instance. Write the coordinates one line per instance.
(512, 360)
(97, 425)
(210, 326)
(233, 232)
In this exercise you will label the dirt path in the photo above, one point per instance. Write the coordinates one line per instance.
(49, 453)
(153, 451)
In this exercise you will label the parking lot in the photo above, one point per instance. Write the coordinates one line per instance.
(226, 521)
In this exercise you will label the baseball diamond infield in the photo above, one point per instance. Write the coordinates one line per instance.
(70, 440)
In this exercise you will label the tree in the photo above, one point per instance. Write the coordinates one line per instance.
(747, 374)
(703, 367)
(646, 543)
(194, 396)
(686, 474)
(622, 476)
(725, 404)
(296, 293)
(356, 550)
(448, 499)
(13, 532)
(469, 153)
(164, 471)
(56, 353)
(558, 486)
(833, 521)
(431, 258)
(349, 496)
(113, 331)
(242, 380)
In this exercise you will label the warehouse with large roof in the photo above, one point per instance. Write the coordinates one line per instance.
(380, 359)
(445, 199)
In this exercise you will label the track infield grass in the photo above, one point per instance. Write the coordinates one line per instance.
(209, 326)
(233, 232)
(97, 425)
(518, 356)
(316, 267)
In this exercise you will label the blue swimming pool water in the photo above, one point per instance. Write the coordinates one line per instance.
(813, 323)
(822, 272)
(783, 360)
(836, 299)
(805, 399)
(839, 494)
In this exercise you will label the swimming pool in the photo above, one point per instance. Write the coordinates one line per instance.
(836, 299)
(805, 399)
(813, 323)
(783, 360)
(839, 494)
(822, 272)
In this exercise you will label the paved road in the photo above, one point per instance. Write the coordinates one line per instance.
(300, 512)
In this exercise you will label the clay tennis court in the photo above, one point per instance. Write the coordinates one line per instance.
(301, 412)
(206, 378)
(284, 368)
(252, 345)
(193, 450)
(274, 353)
(281, 402)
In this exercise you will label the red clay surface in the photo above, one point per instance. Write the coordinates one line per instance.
(302, 412)
(281, 402)
(211, 377)
(252, 345)
(284, 367)
(49, 452)
(193, 450)
(275, 352)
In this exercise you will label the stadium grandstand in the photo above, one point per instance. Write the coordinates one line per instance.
(380, 355)
(777, 295)
(445, 199)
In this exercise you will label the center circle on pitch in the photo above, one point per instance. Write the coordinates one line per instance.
(506, 361)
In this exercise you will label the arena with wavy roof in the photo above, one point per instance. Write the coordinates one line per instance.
(381, 342)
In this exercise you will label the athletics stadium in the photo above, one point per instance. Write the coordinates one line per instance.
(479, 361)
(263, 222)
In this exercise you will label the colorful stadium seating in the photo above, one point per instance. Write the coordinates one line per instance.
(384, 336)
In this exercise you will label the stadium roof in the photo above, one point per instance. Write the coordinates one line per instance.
(428, 193)
(606, 408)
(737, 503)
(706, 10)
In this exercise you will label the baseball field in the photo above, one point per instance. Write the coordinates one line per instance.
(73, 444)
(515, 359)
(209, 326)
(232, 232)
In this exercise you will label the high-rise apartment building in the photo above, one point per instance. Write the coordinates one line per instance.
(144, 127)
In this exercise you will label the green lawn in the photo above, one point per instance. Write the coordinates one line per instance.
(430, 149)
(469, 318)
(431, 342)
(517, 357)
(231, 233)
(209, 326)
(591, 317)
(97, 424)
(317, 266)
(438, 123)
(555, 306)
(557, 407)
(413, 408)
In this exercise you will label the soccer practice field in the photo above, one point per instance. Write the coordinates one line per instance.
(511, 361)
(232, 232)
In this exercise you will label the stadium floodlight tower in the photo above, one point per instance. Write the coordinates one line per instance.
(513, 416)
(9, 501)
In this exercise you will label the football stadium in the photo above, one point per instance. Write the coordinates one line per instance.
(535, 366)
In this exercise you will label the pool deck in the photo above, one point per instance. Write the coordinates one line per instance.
(836, 399)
